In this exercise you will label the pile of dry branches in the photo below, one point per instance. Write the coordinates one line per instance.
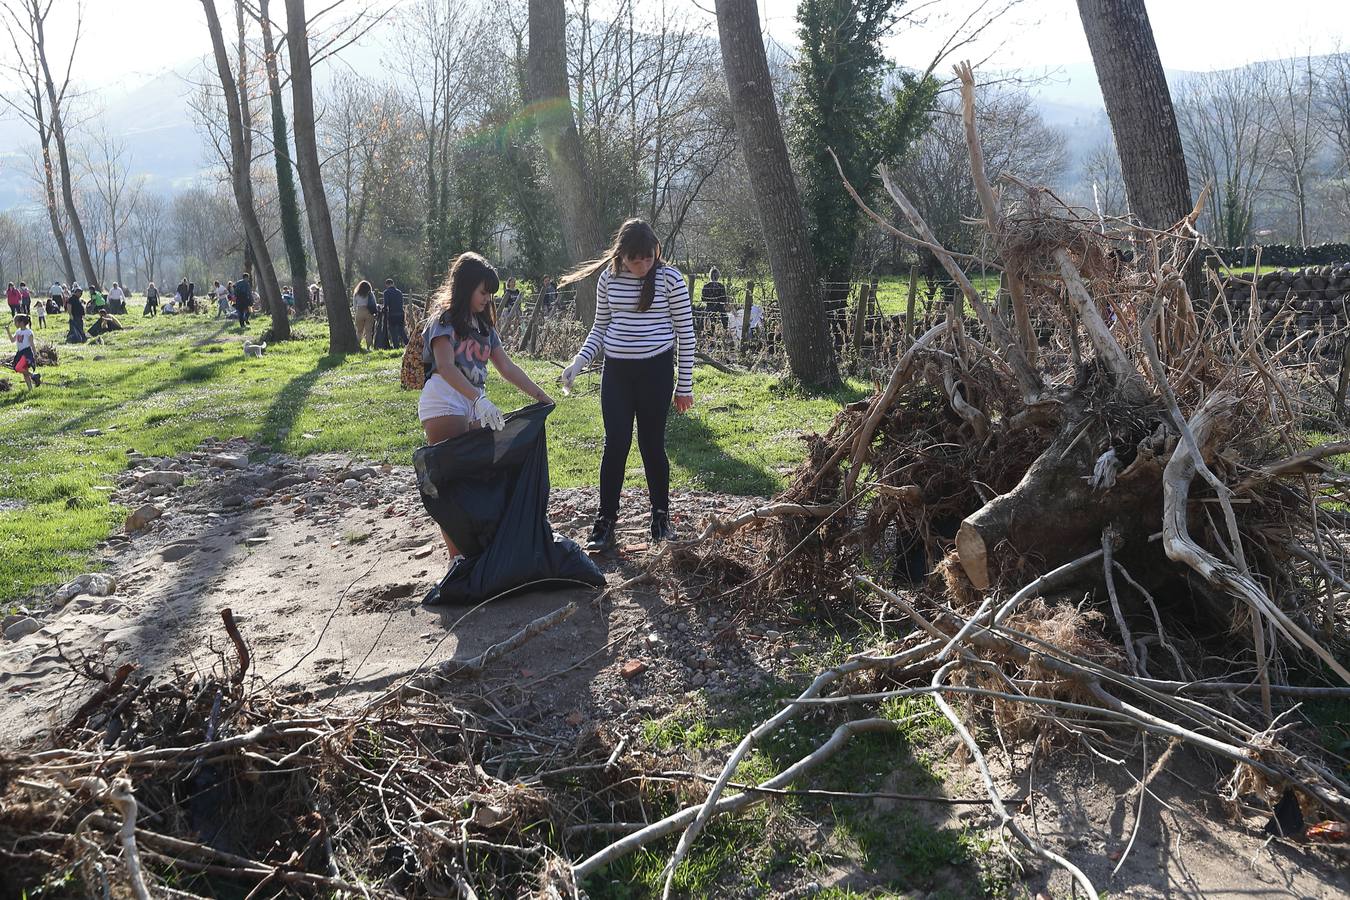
(210, 782)
(1098, 437)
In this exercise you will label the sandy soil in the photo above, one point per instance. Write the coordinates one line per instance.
(324, 562)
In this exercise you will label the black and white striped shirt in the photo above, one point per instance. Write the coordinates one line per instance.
(626, 333)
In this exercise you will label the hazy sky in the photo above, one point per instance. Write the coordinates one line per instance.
(131, 39)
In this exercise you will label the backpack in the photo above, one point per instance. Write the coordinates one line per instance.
(413, 373)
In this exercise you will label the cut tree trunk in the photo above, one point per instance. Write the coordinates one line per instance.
(806, 336)
(583, 232)
(341, 329)
(1055, 514)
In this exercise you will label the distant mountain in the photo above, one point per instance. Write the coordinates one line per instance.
(155, 118)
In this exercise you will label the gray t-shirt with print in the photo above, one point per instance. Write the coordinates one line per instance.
(471, 353)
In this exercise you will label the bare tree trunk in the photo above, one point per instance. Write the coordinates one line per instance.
(289, 207)
(59, 233)
(268, 282)
(583, 233)
(806, 338)
(1140, 107)
(240, 179)
(58, 132)
(1143, 119)
(341, 329)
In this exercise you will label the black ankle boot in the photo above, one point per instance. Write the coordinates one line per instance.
(602, 535)
(661, 530)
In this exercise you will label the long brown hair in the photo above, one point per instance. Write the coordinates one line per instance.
(453, 301)
(635, 238)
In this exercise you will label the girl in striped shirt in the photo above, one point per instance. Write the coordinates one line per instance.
(642, 315)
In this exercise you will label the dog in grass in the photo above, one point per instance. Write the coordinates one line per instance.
(252, 349)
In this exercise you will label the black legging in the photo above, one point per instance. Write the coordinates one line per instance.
(641, 389)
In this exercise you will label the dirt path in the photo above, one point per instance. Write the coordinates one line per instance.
(324, 562)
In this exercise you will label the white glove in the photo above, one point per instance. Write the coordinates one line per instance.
(487, 413)
(569, 375)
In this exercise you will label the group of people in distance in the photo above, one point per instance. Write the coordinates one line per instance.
(380, 320)
(643, 323)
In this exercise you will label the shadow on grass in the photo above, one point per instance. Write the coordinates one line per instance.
(692, 444)
(285, 410)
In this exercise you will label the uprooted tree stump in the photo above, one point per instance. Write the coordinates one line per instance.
(1109, 440)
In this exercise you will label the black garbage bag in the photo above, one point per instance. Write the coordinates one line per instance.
(489, 491)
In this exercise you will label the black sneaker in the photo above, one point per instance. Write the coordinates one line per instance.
(602, 535)
(661, 530)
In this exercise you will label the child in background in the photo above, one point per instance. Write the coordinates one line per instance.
(41, 312)
(24, 358)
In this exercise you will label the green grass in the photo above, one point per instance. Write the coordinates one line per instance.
(897, 851)
(165, 384)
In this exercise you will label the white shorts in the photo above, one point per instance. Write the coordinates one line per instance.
(438, 398)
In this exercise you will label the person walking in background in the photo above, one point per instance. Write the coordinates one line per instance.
(714, 297)
(24, 358)
(13, 299)
(191, 297)
(57, 294)
(363, 313)
(548, 293)
(75, 306)
(151, 301)
(182, 291)
(42, 313)
(510, 298)
(116, 299)
(243, 299)
(25, 299)
(222, 300)
(315, 296)
(642, 314)
(394, 312)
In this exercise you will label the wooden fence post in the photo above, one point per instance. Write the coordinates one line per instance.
(859, 318)
(1344, 381)
(909, 304)
(745, 315)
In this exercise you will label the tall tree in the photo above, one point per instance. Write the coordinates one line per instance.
(289, 206)
(805, 335)
(840, 103)
(56, 102)
(341, 329)
(148, 224)
(32, 108)
(29, 18)
(1143, 120)
(1295, 131)
(583, 233)
(118, 194)
(1228, 148)
(1334, 104)
(242, 182)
